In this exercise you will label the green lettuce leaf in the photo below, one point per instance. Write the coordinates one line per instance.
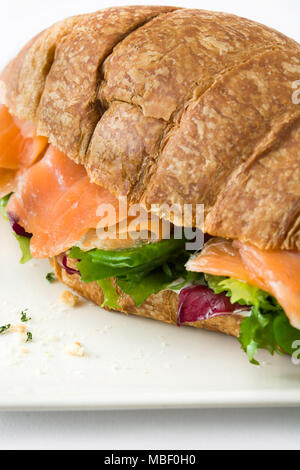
(242, 293)
(3, 204)
(110, 294)
(142, 285)
(24, 242)
(257, 333)
(285, 334)
(139, 272)
(267, 327)
(96, 264)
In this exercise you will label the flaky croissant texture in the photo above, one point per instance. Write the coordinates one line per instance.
(176, 106)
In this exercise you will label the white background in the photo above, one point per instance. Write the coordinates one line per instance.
(273, 429)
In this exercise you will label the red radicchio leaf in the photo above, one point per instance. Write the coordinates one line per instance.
(63, 263)
(17, 228)
(198, 303)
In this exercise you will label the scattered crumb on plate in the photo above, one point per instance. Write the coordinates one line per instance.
(18, 328)
(75, 349)
(70, 299)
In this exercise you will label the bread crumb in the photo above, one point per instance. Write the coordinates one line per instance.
(25, 351)
(75, 349)
(70, 299)
(18, 328)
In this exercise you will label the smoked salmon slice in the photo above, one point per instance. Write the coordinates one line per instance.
(276, 272)
(19, 144)
(220, 258)
(20, 147)
(56, 202)
(8, 181)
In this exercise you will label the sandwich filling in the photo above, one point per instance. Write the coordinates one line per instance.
(54, 211)
(276, 272)
(265, 281)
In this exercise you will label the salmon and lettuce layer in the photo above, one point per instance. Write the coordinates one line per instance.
(267, 326)
(140, 271)
(52, 206)
(265, 281)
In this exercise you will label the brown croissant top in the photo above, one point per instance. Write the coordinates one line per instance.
(175, 106)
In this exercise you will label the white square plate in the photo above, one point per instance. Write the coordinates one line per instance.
(129, 362)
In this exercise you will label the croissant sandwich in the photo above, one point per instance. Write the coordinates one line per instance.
(129, 135)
